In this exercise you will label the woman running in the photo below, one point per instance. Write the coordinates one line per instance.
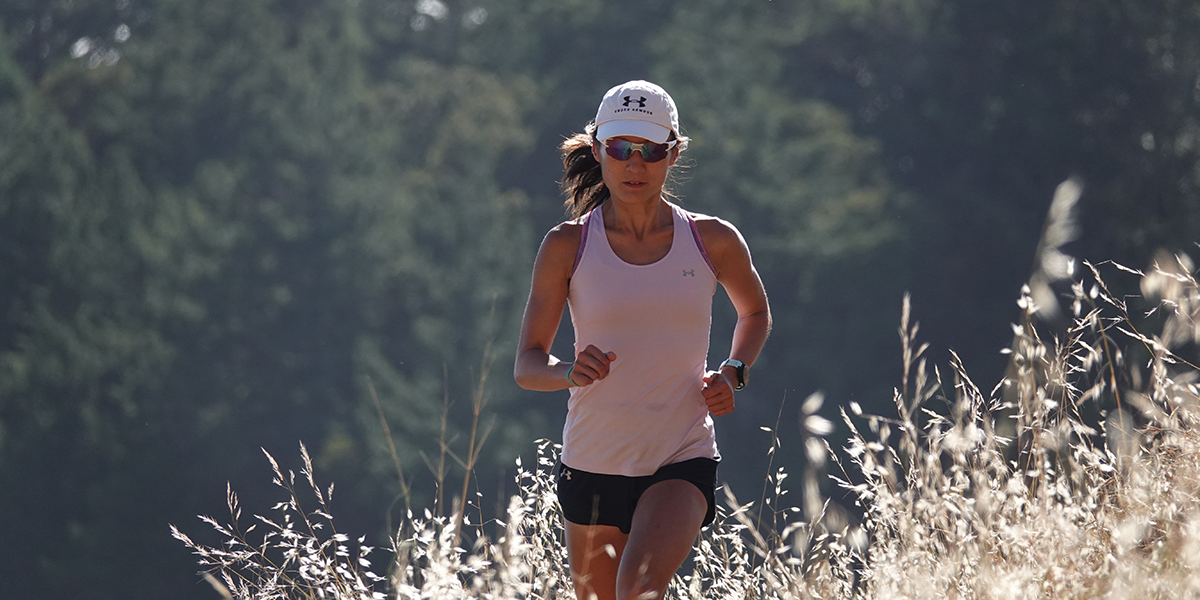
(638, 468)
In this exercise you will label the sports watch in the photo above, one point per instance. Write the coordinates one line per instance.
(743, 375)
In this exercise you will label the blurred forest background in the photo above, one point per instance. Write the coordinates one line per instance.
(222, 222)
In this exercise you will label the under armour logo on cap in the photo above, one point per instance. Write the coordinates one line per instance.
(641, 101)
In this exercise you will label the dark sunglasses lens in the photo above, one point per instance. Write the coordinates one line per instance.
(619, 149)
(652, 152)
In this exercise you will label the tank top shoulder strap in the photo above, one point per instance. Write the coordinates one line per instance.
(583, 236)
(696, 236)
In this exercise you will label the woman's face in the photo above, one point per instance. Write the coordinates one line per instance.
(633, 179)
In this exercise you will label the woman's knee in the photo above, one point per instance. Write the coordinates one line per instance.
(594, 556)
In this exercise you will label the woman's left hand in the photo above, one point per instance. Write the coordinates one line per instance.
(718, 393)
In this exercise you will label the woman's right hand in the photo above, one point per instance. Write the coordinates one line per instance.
(591, 365)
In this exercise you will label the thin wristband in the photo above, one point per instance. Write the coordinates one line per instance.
(571, 382)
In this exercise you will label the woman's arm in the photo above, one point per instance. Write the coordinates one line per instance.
(535, 368)
(730, 257)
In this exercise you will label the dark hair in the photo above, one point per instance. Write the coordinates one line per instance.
(582, 182)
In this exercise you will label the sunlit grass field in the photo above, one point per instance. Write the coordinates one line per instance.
(1078, 476)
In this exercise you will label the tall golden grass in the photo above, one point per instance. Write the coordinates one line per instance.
(1078, 476)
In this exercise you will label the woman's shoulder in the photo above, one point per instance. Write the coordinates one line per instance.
(715, 231)
(562, 241)
(567, 232)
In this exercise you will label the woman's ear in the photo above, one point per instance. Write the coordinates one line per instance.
(596, 151)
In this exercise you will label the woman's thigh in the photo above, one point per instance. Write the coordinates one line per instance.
(666, 522)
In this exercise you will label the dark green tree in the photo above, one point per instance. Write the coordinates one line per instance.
(982, 109)
(211, 240)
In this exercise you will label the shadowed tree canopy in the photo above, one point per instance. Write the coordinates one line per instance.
(223, 224)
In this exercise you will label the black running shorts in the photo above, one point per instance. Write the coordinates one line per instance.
(597, 499)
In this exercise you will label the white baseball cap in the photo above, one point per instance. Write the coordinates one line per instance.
(639, 109)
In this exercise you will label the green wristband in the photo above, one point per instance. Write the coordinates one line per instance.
(571, 382)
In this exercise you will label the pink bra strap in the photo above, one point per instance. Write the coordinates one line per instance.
(582, 241)
(699, 241)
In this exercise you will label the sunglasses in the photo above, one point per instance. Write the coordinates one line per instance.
(623, 149)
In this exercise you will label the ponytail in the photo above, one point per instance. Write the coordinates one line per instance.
(582, 182)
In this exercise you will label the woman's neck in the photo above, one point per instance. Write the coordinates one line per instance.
(638, 218)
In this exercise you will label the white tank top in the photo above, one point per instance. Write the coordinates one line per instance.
(649, 411)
